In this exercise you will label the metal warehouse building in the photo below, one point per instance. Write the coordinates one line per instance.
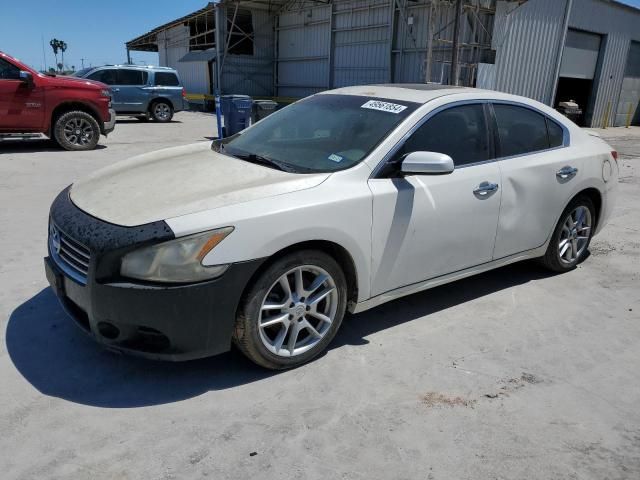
(550, 50)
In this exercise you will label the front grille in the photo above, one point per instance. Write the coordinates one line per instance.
(69, 254)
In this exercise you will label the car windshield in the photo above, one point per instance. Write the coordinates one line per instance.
(81, 73)
(322, 133)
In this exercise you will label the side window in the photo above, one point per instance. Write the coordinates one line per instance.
(107, 76)
(521, 130)
(166, 79)
(556, 134)
(460, 132)
(8, 71)
(131, 77)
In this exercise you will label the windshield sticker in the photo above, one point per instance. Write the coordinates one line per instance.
(384, 106)
(335, 158)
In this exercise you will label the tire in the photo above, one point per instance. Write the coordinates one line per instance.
(561, 256)
(266, 338)
(67, 126)
(161, 111)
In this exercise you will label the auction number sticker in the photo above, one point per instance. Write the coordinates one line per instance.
(384, 106)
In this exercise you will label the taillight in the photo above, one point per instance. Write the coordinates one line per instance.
(614, 154)
(184, 93)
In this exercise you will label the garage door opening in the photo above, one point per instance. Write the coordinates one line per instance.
(576, 90)
(578, 71)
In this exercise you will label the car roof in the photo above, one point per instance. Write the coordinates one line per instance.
(408, 92)
(138, 67)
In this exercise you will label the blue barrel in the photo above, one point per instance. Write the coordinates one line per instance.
(236, 110)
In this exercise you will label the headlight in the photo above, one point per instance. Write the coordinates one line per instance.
(176, 261)
(105, 92)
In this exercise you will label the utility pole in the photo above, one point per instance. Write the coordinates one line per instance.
(453, 79)
(82, 60)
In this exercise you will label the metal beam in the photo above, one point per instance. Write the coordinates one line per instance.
(453, 79)
(219, 26)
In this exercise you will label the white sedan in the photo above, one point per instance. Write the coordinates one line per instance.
(342, 201)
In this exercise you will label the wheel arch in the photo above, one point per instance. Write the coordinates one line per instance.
(65, 107)
(596, 197)
(155, 100)
(334, 250)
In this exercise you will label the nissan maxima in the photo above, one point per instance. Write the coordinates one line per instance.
(339, 202)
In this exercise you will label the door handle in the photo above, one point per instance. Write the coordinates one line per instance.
(566, 172)
(485, 188)
(115, 89)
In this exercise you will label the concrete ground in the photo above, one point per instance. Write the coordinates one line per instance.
(513, 374)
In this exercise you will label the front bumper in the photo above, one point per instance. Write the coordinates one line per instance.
(167, 322)
(110, 125)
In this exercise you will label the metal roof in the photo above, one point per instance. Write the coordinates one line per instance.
(147, 41)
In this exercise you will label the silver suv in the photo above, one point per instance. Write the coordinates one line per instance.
(141, 91)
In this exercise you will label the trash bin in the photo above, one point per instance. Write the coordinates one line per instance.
(236, 110)
(263, 108)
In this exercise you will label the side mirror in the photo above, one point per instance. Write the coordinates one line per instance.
(26, 77)
(427, 163)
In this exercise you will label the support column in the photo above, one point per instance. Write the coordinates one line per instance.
(453, 79)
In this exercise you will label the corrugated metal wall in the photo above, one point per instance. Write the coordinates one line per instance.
(628, 110)
(303, 51)
(252, 74)
(173, 44)
(619, 25)
(355, 42)
(361, 35)
(528, 41)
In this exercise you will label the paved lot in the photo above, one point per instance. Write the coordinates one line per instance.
(514, 374)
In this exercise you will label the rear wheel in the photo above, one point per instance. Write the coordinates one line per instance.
(161, 111)
(76, 131)
(292, 311)
(570, 241)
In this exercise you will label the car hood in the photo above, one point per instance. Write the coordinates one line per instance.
(178, 181)
(74, 82)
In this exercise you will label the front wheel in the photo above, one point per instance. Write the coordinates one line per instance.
(292, 311)
(572, 235)
(76, 131)
(161, 112)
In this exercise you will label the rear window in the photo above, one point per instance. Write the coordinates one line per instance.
(521, 130)
(556, 134)
(132, 77)
(167, 79)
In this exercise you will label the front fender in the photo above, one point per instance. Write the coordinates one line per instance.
(266, 226)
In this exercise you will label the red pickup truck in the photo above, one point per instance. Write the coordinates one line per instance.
(72, 111)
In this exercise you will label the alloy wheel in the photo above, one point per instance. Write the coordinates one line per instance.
(162, 111)
(298, 311)
(574, 236)
(78, 131)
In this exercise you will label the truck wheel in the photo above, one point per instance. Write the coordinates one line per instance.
(161, 111)
(292, 311)
(76, 131)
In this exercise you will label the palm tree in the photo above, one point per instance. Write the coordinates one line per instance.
(63, 48)
(55, 44)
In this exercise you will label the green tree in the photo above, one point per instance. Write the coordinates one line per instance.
(58, 46)
(55, 45)
(63, 48)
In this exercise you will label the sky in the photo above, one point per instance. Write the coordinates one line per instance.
(95, 32)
